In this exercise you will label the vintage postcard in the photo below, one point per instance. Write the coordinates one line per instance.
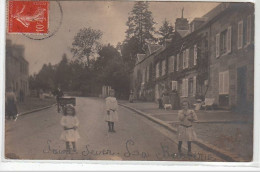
(129, 80)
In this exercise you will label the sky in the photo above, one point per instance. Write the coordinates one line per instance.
(110, 17)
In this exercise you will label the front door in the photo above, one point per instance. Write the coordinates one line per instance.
(241, 87)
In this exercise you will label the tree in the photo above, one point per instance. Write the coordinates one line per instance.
(85, 43)
(129, 50)
(165, 31)
(140, 24)
(63, 73)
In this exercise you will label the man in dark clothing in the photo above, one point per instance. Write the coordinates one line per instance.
(58, 94)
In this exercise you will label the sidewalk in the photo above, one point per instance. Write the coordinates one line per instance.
(230, 131)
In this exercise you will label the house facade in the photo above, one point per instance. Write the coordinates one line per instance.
(142, 82)
(213, 59)
(17, 69)
(231, 81)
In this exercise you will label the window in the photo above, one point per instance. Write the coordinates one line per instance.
(163, 67)
(184, 59)
(177, 62)
(229, 39)
(173, 62)
(147, 73)
(185, 87)
(223, 42)
(174, 85)
(224, 82)
(195, 55)
(187, 57)
(217, 45)
(157, 70)
(240, 35)
(143, 76)
(248, 33)
(194, 85)
(191, 86)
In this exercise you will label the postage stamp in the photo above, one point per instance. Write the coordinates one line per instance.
(28, 17)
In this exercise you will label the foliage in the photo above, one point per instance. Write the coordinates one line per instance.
(165, 31)
(86, 43)
(140, 24)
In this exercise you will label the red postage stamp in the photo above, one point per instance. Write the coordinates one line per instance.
(28, 17)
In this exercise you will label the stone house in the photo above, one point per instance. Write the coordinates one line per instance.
(214, 58)
(231, 80)
(17, 69)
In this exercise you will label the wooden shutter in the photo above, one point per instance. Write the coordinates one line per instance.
(194, 85)
(147, 73)
(173, 63)
(217, 44)
(229, 37)
(177, 62)
(184, 59)
(187, 87)
(187, 57)
(183, 87)
(248, 37)
(226, 82)
(220, 83)
(240, 35)
(195, 55)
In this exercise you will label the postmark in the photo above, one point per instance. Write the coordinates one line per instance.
(28, 17)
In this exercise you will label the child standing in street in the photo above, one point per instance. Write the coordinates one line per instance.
(70, 123)
(186, 133)
(111, 111)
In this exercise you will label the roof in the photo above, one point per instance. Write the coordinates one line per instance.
(140, 57)
(183, 33)
(153, 48)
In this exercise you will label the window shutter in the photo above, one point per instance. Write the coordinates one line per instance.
(240, 35)
(183, 87)
(217, 45)
(187, 88)
(220, 83)
(187, 57)
(195, 55)
(147, 73)
(226, 82)
(194, 85)
(229, 41)
(177, 65)
(248, 40)
(173, 63)
(183, 59)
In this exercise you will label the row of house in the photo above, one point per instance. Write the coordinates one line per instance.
(17, 69)
(210, 57)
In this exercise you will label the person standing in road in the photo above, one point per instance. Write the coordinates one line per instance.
(10, 103)
(131, 97)
(111, 111)
(186, 133)
(70, 124)
(58, 94)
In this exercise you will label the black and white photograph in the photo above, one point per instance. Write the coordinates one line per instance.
(129, 81)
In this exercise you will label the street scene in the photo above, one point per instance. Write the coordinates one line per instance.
(133, 80)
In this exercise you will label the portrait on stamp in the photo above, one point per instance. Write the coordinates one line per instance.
(129, 80)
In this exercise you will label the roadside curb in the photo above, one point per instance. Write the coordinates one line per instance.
(36, 110)
(226, 155)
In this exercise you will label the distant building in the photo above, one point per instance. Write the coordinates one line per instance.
(17, 69)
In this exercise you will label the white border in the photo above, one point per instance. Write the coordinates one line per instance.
(130, 165)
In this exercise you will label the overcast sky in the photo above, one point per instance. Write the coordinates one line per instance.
(109, 17)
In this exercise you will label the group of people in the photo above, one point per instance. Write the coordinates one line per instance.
(10, 104)
(70, 123)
